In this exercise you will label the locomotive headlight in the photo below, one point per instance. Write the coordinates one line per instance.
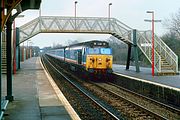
(99, 59)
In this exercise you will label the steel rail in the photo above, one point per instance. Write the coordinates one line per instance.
(165, 106)
(76, 86)
(133, 103)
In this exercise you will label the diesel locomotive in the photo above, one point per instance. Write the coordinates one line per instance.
(92, 56)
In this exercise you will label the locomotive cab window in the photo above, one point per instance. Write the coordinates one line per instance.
(94, 51)
(105, 51)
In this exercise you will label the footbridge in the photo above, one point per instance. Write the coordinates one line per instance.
(166, 61)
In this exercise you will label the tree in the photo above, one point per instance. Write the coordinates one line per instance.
(173, 24)
(172, 37)
(56, 46)
(173, 42)
(71, 42)
(119, 50)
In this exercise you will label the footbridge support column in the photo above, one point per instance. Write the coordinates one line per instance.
(128, 57)
(135, 49)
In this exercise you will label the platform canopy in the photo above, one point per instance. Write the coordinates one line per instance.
(19, 5)
(30, 4)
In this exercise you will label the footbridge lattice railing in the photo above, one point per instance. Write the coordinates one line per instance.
(163, 50)
(145, 46)
(49, 24)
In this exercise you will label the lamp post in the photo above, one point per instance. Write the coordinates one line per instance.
(40, 11)
(152, 21)
(75, 12)
(109, 15)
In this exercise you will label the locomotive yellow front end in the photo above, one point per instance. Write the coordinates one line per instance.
(99, 60)
(99, 63)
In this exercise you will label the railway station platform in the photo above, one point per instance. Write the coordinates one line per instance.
(145, 74)
(165, 89)
(36, 96)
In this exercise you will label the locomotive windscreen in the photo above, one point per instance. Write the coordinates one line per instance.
(105, 51)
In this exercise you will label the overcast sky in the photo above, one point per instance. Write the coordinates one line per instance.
(130, 12)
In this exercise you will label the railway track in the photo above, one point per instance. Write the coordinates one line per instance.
(126, 107)
(151, 106)
(129, 104)
(162, 109)
(84, 103)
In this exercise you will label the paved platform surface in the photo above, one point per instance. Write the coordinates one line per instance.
(34, 96)
(145, 73)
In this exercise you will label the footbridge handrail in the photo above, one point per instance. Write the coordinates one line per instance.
(61, 24)
(145, 46)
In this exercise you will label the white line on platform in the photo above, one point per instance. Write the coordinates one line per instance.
(61, 97)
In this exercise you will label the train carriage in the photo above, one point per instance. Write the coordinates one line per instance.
(92, 56)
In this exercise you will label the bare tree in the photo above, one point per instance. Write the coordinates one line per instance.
(57, 45)
(119, 50)
(172, 37)
(173, 24)
(71, 42)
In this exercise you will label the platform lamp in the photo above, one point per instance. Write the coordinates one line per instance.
(109, 15)
(152, 21)
(75, 12)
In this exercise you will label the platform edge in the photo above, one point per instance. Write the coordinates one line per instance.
(150, 82)
(60, 95)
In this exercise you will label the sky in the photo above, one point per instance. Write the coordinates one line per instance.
(130, 12)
